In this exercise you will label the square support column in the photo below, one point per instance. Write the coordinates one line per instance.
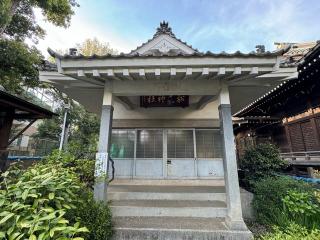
(234, 218)
(102, 157)
(6, 119)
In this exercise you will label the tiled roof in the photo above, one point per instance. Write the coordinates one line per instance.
(277, 91)
(48, 66)
(171, 53)
(165, 29)
(271, 94)
(296, 51)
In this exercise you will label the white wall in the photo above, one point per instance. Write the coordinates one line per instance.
(209, 112)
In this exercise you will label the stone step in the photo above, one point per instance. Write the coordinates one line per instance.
(177, 228)
(170, 182)
(148, 192)
(168, 208)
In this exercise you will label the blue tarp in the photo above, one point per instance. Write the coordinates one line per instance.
(311, 180)
(14, 158)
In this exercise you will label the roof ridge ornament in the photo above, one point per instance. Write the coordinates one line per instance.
(164, 29)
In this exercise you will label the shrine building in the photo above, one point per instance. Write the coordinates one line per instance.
(166, 119)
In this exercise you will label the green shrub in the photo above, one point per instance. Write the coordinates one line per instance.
(292, 232)
(34, 203)
(269, 192)
(259, 162)
(97, 218)
(86, 150)
(84, 168)
(303, 208)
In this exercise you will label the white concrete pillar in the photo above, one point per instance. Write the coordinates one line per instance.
(102, 163)
(234, 218)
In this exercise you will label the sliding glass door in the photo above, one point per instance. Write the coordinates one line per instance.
(180, 153)
(167, 153)
(149, 153)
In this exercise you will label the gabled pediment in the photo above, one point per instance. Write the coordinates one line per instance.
(164, 41)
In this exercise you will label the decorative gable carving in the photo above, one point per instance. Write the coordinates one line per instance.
(164, 29)
(164, 46)
(164, 42)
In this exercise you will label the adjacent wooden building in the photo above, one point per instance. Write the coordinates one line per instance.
(15, 108)
(288, 115)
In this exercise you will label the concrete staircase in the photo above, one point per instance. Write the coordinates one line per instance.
(169, 209)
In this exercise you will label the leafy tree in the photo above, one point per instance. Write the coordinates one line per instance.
(19, 63)
(94, 46)
(49, 129)
(89, 47)
(83, 135)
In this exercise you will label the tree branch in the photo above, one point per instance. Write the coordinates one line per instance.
(13, 8)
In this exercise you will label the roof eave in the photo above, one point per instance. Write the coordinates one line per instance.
(195, 54)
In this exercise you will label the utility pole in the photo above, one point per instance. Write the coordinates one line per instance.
(66, 109)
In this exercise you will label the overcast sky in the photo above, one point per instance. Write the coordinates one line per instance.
(208, 25)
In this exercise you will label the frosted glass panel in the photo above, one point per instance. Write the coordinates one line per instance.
(122, 144)
(149, 144)
(180, 144)
(208, 144)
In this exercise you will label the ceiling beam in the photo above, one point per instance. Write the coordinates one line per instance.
(249, 75)
(125, 101)
(204, 100)
(126, 74)
(157, 73)
(111, 75)
(173, 73)
(142, 74)
(81, 76)
(188, 74)
(204, 74)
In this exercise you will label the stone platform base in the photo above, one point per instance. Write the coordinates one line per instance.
(163, 228)
(171, 210)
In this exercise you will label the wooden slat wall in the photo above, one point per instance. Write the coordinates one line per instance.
(318, 123)
(296, 138)
(304, 135)
(309, 136)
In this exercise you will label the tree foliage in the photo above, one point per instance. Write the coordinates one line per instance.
(49, 129)
(19, 63)
(17, 17)
(94, 46)
(89, 47)
(83, 130)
